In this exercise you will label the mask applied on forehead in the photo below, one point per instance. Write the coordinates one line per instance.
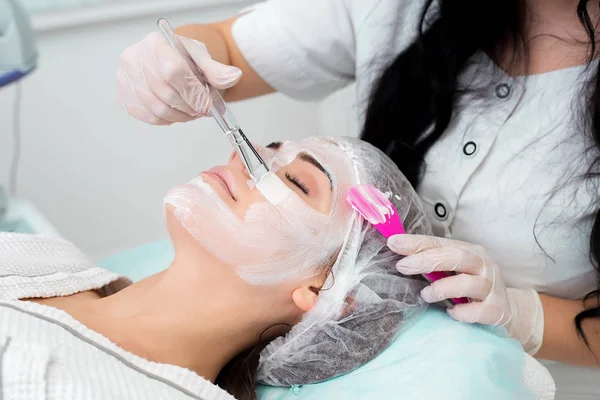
(273, 243)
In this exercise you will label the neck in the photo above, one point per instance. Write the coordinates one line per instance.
(559, 17)
(564, 5)
(192, 315)
(554, 38)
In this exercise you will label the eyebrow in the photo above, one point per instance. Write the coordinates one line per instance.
(274, 145)
(307, 158)
(311, 160)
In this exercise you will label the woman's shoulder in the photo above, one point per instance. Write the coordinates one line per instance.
(44, 345)
(400, 10)
(311, 48)
(390, 15)
(387, 27)
(42, 266)
(35, 255)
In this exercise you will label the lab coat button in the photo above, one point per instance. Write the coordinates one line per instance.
(502, 91)
(469, 148)
(440, 211)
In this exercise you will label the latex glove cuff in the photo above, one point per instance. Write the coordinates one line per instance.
(527, 322)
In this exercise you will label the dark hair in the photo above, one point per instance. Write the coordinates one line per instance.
(238, 375)
(420, 88)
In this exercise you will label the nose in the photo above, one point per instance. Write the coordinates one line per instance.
(237, 165)
(266, 153)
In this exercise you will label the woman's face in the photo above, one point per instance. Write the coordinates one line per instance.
(268, 244)
(305, 176)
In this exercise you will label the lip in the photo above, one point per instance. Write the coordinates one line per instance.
(224, 179)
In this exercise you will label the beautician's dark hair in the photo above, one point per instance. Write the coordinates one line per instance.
(419, 89)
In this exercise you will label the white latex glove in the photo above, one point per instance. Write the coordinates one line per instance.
(157, 86)
(478, 278)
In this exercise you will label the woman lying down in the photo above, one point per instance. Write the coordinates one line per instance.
(294, 294)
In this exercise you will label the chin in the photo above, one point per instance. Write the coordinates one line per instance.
(170, 213)
(174, 225)
(180, 237)
(188, 248)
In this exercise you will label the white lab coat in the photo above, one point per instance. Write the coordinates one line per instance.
(502, 176)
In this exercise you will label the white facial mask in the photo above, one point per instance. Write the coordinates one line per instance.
(272, 244)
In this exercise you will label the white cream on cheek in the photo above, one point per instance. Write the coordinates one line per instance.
(273, 244)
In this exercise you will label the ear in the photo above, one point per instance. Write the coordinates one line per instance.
(305, 298)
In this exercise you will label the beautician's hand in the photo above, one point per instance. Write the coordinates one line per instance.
(478, 278)
(156, 85)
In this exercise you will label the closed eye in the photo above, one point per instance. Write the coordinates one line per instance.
(298, 183)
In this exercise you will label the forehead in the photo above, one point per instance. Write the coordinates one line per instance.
(333, 159)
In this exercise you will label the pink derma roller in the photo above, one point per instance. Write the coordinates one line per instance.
(376, 208)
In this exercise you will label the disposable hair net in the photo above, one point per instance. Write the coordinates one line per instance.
(273, 244)
(364, 302)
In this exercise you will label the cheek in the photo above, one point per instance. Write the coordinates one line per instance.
(240, 207)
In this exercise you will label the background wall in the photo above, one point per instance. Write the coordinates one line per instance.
(99, 175)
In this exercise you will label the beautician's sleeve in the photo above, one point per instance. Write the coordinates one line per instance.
(302, 48)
